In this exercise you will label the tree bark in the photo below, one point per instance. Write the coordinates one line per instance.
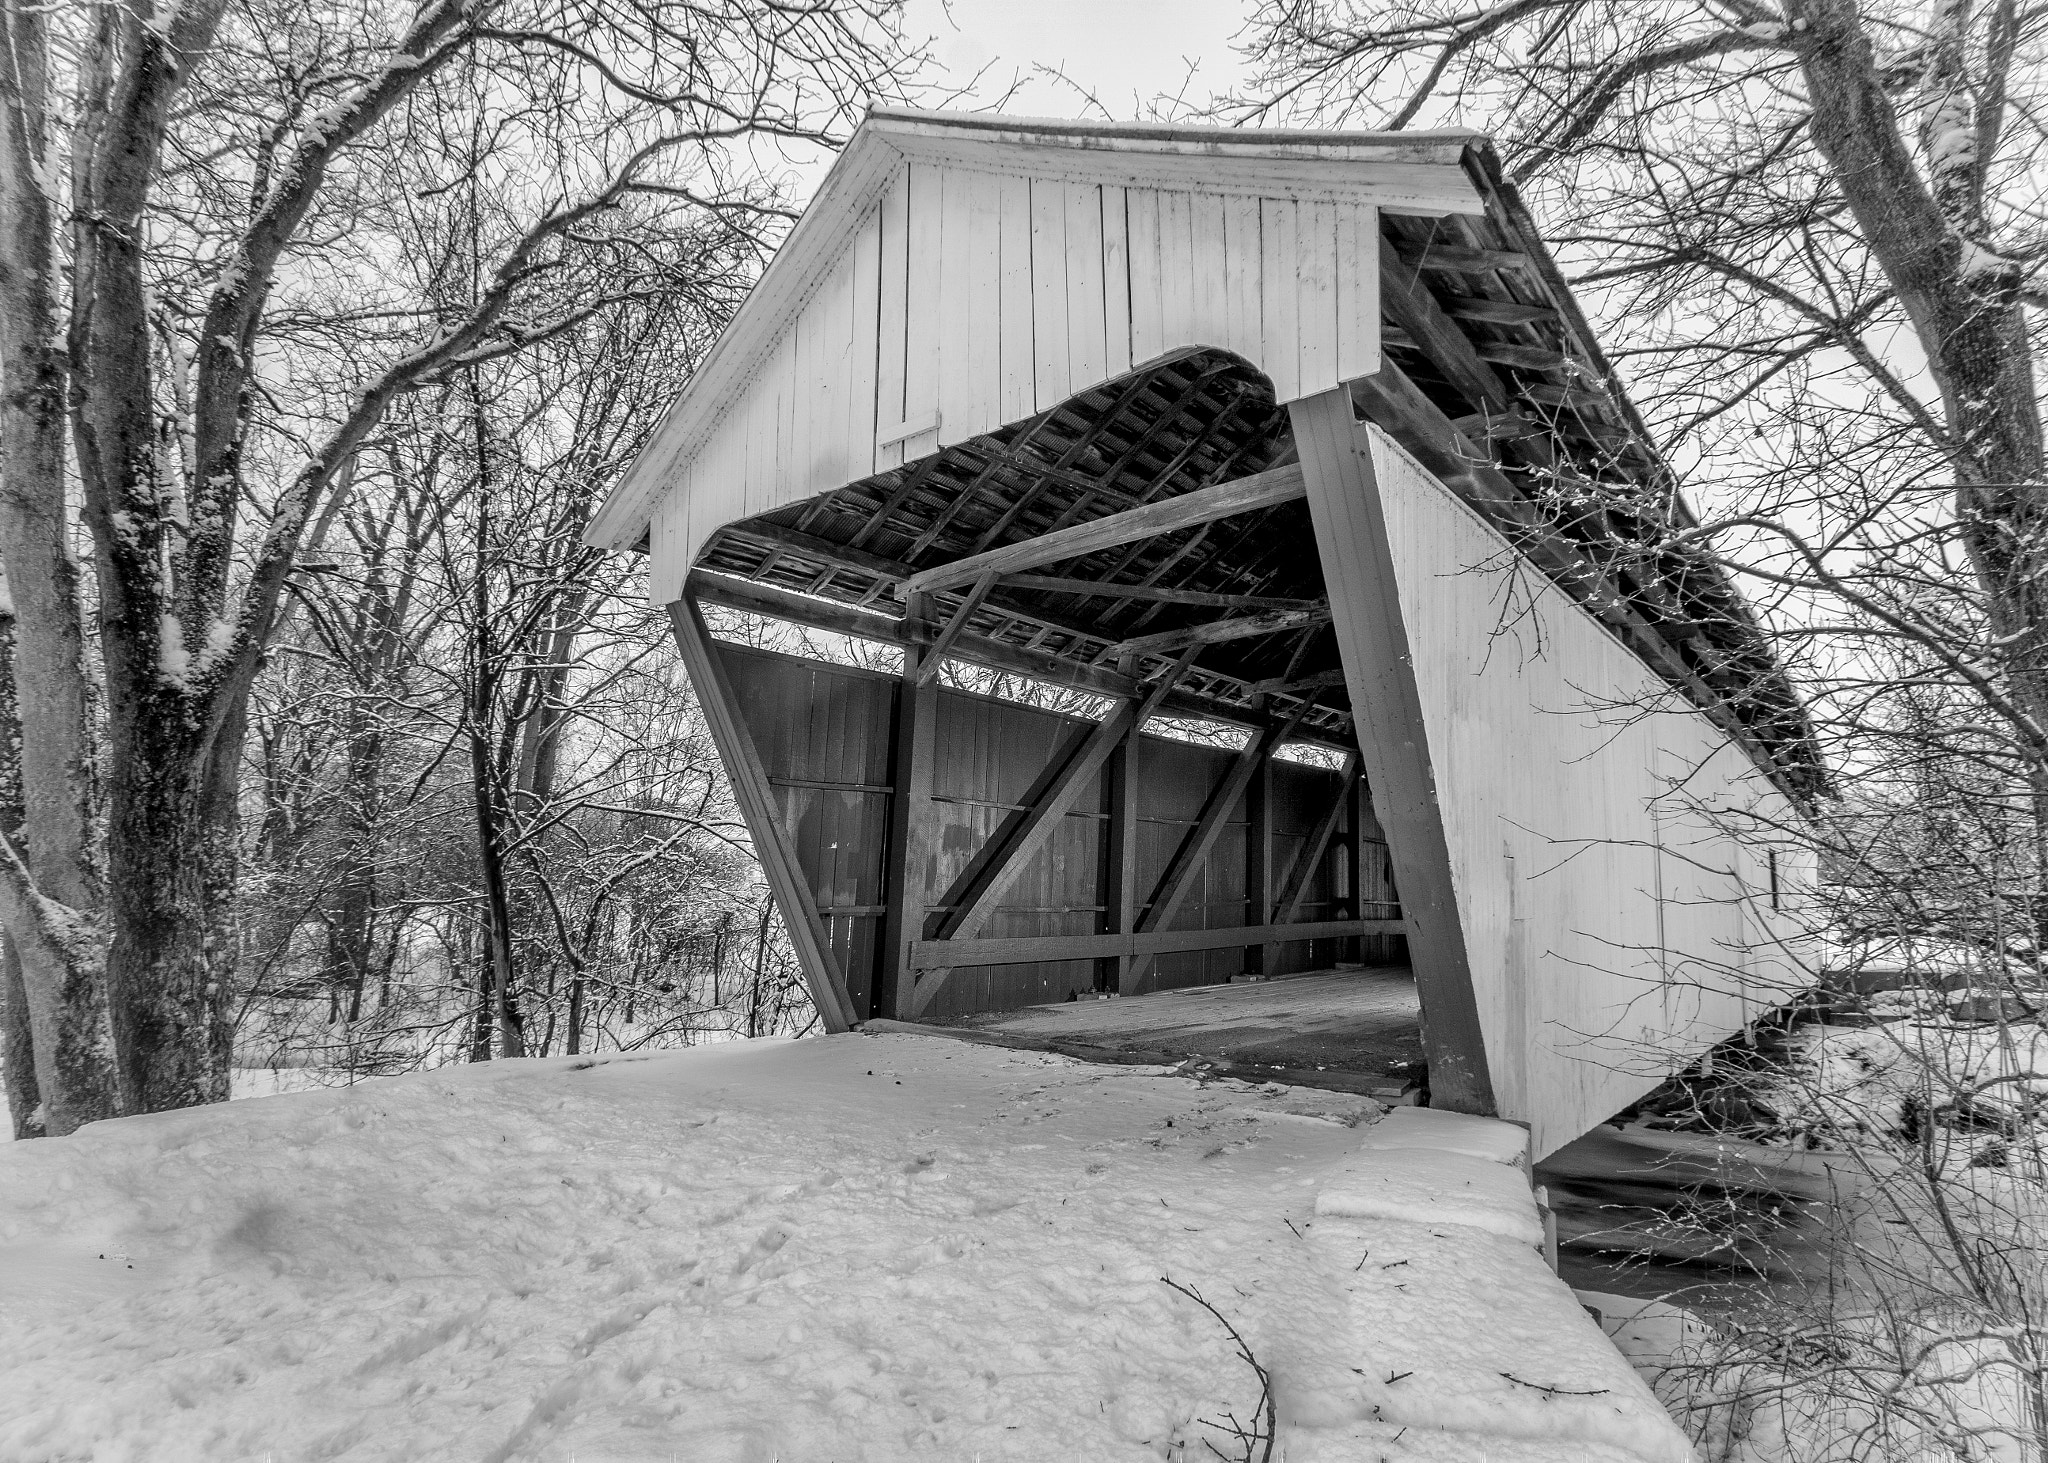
(17, 1047)
(1965, 309)
(48, 889)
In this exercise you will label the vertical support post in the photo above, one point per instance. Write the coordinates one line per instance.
(1178, 881)
(1120, 863)
(1258, 867)
(1353, 542)
(756, 801)
(1354, 852)
(910, 863)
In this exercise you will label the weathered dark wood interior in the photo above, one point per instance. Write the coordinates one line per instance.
(1303, 837)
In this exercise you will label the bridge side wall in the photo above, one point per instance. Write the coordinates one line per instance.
(1611, 850)
(825, 733)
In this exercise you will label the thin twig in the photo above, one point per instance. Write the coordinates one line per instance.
(1266, 1422)
(1554, 1391)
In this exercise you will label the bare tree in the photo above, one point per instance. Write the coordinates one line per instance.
(1816, 232)
(200, 323)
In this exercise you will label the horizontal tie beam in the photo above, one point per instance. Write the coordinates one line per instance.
(1205, 505)
(940, 954)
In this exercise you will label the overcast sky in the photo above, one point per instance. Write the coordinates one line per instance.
(1124, 51)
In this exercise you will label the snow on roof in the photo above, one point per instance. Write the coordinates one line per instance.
(850, 1247)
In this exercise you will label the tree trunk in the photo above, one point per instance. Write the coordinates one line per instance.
(17, 1047)
(171, 865)
(1967, 316)
(575, 1012)
(351, 926)
(48, 890)
(480, 1023)
(760, 960)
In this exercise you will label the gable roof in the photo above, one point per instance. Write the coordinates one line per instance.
(1419, 172)
(787, 464)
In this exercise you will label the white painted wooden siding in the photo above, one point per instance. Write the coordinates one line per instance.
(1615, 927)
(966, 299)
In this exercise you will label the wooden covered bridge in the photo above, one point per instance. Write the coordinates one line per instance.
(1296, 433)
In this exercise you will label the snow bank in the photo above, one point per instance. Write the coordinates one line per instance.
(847, 1248)
(1878, 1081)
(1438, 1168)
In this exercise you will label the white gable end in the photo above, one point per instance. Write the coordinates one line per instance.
(950, 284)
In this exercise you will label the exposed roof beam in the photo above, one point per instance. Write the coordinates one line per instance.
(782, 604)
(1523, 357)
(1497, 312)
(928, 664)
(1281, 686)
(1205, 505)
(892, 572)
(810, 546)
(1409, 304)
(1461, 259)
(1465, 364)
(1217, 632)
(1096, 589)
(1576, 397)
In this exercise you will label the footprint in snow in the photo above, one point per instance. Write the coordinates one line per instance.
(772, 1239)
(617, 1324)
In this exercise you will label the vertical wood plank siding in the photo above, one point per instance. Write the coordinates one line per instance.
(826, 734)
(1604, 914)
(967, 299)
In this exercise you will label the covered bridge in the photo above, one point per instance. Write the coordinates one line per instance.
(1297, 433)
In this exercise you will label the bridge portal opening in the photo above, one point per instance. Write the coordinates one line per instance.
(1098, 766)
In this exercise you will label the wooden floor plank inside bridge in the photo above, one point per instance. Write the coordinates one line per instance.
(1355, 1029)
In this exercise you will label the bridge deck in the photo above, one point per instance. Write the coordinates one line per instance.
(1354, 1029)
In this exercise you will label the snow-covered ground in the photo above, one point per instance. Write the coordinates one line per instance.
(844, 1248)
(1839, 1084)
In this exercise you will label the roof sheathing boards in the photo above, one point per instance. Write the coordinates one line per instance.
(1192, 418)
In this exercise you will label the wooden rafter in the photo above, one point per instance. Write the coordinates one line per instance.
(1398, 407)
(765, 599)
(1294, 686)
(1460, 260)
(928, 663)
(1188, 510)
(1219, 632)
(1104, 483)
(1095, 589)
(1498, 312)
